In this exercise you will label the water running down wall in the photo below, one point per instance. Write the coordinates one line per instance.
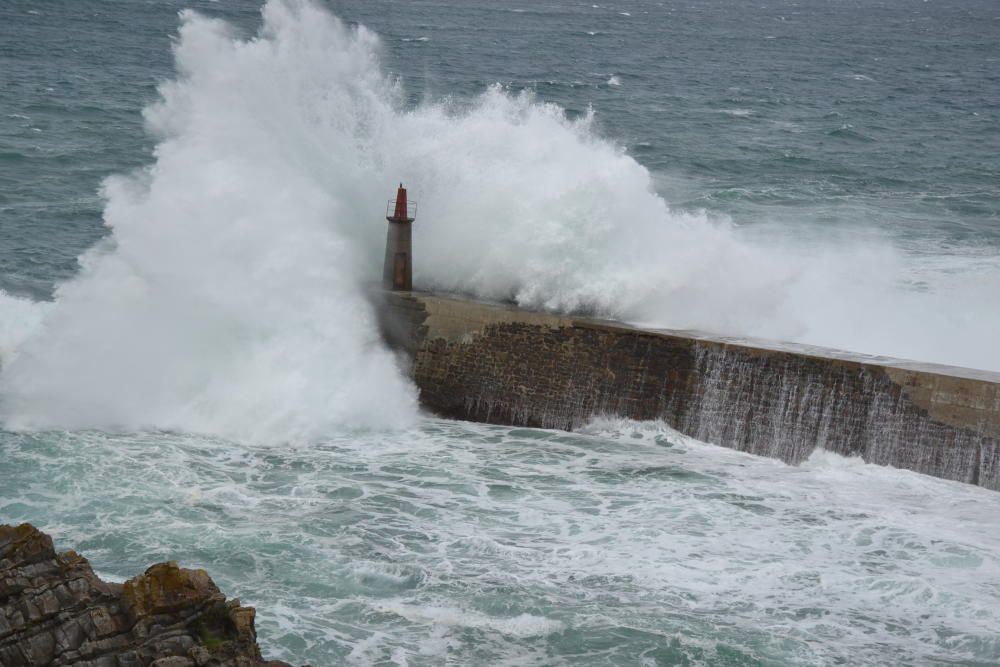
(501, 364)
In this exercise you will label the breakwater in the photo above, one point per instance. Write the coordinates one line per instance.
(501, 364)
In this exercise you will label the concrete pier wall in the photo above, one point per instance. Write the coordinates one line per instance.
(500, 364)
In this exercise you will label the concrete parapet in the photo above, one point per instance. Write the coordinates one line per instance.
(501, 364)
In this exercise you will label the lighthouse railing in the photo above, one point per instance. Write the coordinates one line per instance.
(411, 209)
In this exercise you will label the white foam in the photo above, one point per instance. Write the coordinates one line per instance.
(616, 538)
(520, 626)
(110, 577)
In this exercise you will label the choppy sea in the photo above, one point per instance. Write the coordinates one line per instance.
(190, 207)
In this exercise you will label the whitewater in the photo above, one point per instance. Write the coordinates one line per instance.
(457, 543)
(207, 382)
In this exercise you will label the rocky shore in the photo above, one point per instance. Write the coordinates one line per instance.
(55, 611)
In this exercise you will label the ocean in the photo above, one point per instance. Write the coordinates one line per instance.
(191, 209)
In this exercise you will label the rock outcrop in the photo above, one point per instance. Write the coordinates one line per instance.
(55, 611)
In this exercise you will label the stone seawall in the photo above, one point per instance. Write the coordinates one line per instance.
(500, 364)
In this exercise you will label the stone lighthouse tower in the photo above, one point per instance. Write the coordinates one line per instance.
(397, 272)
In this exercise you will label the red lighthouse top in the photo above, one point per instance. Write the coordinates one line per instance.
(401, 210)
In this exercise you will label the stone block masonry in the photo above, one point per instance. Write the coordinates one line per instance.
(500, 364)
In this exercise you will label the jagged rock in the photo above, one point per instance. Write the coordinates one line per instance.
(55, 611)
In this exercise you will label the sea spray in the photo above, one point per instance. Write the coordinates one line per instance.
(228, 296)
(19, 318)
(521, 203)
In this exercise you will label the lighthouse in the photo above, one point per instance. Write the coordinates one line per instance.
(397, 272)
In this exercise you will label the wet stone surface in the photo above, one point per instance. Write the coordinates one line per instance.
(55, 611)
